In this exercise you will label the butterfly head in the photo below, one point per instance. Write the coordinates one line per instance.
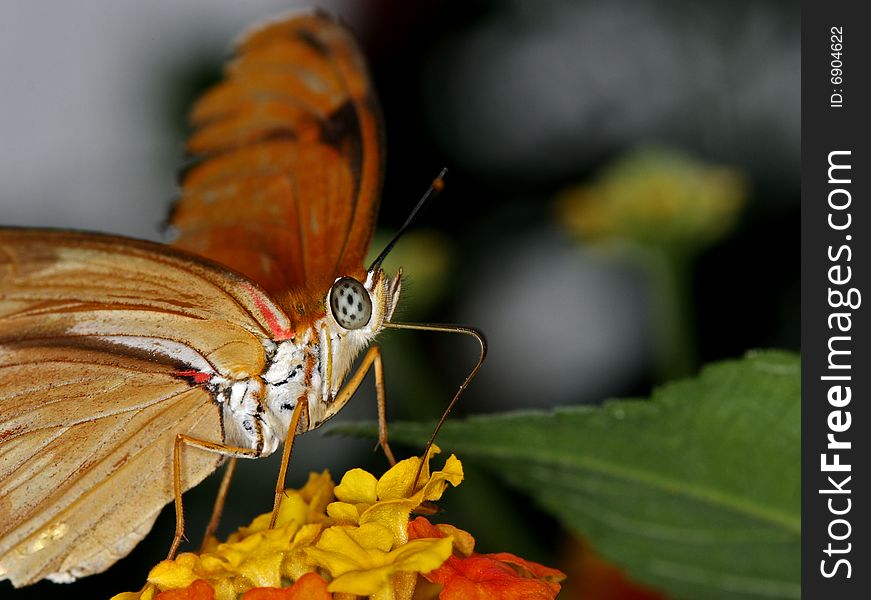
(360, 308)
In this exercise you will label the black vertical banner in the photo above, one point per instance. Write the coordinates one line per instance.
(836, 330)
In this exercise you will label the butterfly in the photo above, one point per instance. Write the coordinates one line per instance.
(130, 370)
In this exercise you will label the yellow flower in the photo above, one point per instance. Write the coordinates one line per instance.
(390, 499)
(360, 561)
(306, 505)
(254, 556)
(350, 540)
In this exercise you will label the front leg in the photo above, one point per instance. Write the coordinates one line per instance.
(301, 407)
(372, 358)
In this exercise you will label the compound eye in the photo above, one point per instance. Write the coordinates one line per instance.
(350, 303)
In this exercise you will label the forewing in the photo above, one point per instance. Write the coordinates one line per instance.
(289, 149)
(104, 346)
(83, 284)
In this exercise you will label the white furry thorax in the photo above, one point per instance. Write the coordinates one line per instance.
(312, 367)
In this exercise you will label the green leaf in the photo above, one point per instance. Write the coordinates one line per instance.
(695, 491)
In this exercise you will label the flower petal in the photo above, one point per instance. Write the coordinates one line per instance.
(420, 527)
(296, 564)
(146, 593)
(418, 556)
(394, 513)
(527, 568)
(397, 481)
(372, 536)
(198, 590)
(310, 586)
(451, 473)
(338, 552)
(480, 577)
(344, 513)
(357, 486)
(317, 492)
(464, 543)
(175, 574)
(501, 576)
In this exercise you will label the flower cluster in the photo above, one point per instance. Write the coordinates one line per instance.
(656, 198)
(352, 540)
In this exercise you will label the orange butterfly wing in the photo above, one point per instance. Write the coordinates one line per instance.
(290, 161)
(97, 336)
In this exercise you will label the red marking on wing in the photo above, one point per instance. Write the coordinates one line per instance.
(10, 433)
(197, 376)
(280, 331)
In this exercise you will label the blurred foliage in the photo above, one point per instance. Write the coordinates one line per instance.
(659, 208)
(678, 489)
(658, 198)
(425, 256)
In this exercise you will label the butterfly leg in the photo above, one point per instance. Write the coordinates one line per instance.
(301, 407)
(212, 527)
(181, 439)
(372, 359)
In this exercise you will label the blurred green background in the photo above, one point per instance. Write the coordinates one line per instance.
(622, 202)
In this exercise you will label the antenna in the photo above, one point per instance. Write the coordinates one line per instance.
(437, 185)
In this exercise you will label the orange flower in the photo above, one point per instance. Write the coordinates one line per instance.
(467, 575)
(310, 586)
